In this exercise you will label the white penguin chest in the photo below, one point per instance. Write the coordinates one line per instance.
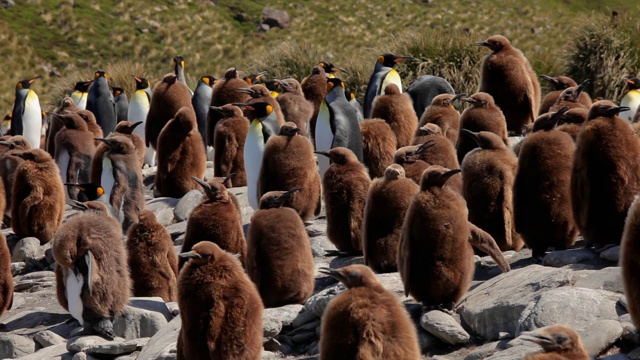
(324, 137)
(392, 78)
(63, 163)
(107, 181)
(138, 109)
(32, 119)
(632, 100)
(73, 290)
(253, 151)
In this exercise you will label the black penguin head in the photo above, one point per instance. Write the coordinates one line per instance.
(559, 82)
(252, 78)
(350, 95)
(100, 73)
(572, 94)
(258, 110)
(202, 253)
(548, 121)
(390, 60)
(496, 43)
(227, 111)
(634, 83)
(436, 176)
(82, 86)
(329, 68)
(117, 91)
(26, 84)
(479, 100)
(606, 109)
(213, 190)
(127, 127)
(141, 83)
(208, 79)
(353, 276)
(91, 191)
(231, 73)
(178, 61)
(446, 100)
(334, 83)
(339, 155)
(275, 199)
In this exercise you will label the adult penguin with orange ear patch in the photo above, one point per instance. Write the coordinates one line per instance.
(180, 155)
(230, 136)
(215, 219)
(276, 236)
(509, 78)
(606, 174)
(383, 75)
(169, 96)
(395, 108)
(259, 93)
(378, 146)
(101, 103)
(487, 186)
(559, 84)
(201, 101)
(435, 257)
(387, 203)
(558, 342)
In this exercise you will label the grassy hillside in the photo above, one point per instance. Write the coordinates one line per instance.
(77, 36)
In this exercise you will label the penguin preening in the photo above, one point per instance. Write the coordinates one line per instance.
(101, 103)
(26, 117)
(122, 104)
(631, 99)
(383, 75)
(138, 110)
(201, 100)
(80, 93)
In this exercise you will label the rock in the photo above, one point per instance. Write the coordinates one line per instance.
(177, 229)
(23, 322)
(488, 261)
(189, 201)
(317, 229)
(35, 281)
(274, 319)
(574, 307)
(153, 304)
(275, 18)
(317, 303)
(320, 245)
(483, 351)
(7, 3)
(20, 268)
(173, 308)
(263, 28)
(159, 203)
(566, 257)
(611, 254)
(52, 352)
(609, 279)
(427, 341)
(162, 346)
(138, 323)
(13, 346)
(516, 352)
(97, 345)
(27, 250)
(444, 327)
(495, 305)
(164, 216)
(343, 261)
(600, 335)
(615, 357)
(48, 338)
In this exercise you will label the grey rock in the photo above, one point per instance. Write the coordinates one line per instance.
(516, 352)
(488, 261)
(304, 337)
(444, 327)
(97, 345)
(27, 250)
(317, 303)
(162, 346)
(138, 323)
(615, 357)
(482, 351)
(342, 261)
(173, 308)
(567, 257)
(34, 281)
(495, 306)
(160, 203)
(48, 338)
(189, 201)
(275, 18)
(164, 216)
(609, 278)
(427, 341)
(152, 304)
(574, 307)
(152, 170)
(55, 352)
(13, 346)
(81, 356)
(317, 229)
(7, 3)
(600, 335)
(180, 239)
(611, 254)
(320, 245)
(20, 268)
(274, 319)
(177, 229)
(314, 348)
(263, 28)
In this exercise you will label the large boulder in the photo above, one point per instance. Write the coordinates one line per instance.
(162, 346)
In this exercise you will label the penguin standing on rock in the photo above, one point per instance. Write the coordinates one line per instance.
(26, 117)
(383, 75)
(201, 100)
(101, 103)
(122, 104)
(230, 137)
(138, 110)
(631, 99)
(80, 93)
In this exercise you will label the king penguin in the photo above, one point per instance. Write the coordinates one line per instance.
(201, 100)
(383, 75)
(264, 124)
(337, 124)
(80, 93)
(101, 103)
(122, 103)
(178, 68)
(631, 99)
(138, 109)
(26, 117)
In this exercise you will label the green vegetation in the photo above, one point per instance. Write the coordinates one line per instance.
(125, 36)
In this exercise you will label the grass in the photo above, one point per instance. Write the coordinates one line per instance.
(78, 36)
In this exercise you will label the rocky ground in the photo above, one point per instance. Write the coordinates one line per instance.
(577, 287)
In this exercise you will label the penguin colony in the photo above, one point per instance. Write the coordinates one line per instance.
(392, 187)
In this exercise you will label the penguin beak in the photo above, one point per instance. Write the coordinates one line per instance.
(458, 97)
(190, 255)
(468, 100)
(535, 338)
(246, 91)
(32, 80)
(323, 153)
(134, 125)
(217, 109)
(424, 146)
(580, 88)
(289, 193)
(426, 130)
(333, 273)
(481, 43)
(337, 69)
(229, 177)
(138, 80)
(556, 116)
(549, 79)
(628, 80)
(449, 174)
(403, 58)
(617, 110)
(471, 134)
(202, 183)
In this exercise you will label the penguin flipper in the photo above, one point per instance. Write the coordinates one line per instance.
(85, 265)
(485, 242)
(371, 346)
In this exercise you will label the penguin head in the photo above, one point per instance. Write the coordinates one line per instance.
(555, 338)
(202, 253)
(72, 121)
(91, 191)
(392, 89)
(35, 155)
(231, 73)
(127, 127)
(100, 74)
(289, 85)
(228, 111)
(26, 84)
(572, 94)
(318, 70)
(605, 109)
(350, 95)
(67, 104)
(446, 100)
(87, 116)
(484, 139)
(178, 61)
(252, 78)
(479, 100)
(141, 83)
(208, 79)
(436, 176)
(496, 43)
(334, 83)
(329, 68)
(548, 121)
(118, 144)
(339, 155)
(82, 86)
(213, 190)
(16, 142)
(147, 219)
(117, 91)
(257, 110)
(634, 83)
(559, 82)
(429, 129)
(405, 155)
(394, 172)
(95, 206)
(390, 60)
(255, 91)
(353, 276)
(289, 129)
(275, 199)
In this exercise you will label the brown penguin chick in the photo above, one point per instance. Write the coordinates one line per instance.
(92, 124)
(440, 152)
(569, 98)
(181, 155)
(435, 263)
(75, 148)
(230, 135)
(169, 96)
(94, 205)
(509, 78)
(215, 219)
(276, 237)
(8, 166)
(125, 128)
(55, 124)
(558, 342)
(225, 91)
(442, 113)
(153, 262)
(559, 84)
(629, 261)
(606, 174)
(396, 109)
(288, 163)
(220, 307)
(542, 189)
(574, 116)
(487, 186)
(413, 167)
(379, 144)
(482, 115)
(314, 88)
(387, 202)
(38, 196)
(6, 278)
(366, 321)
(92, 276)
(260, 93)
(295, 107)
(345, 186)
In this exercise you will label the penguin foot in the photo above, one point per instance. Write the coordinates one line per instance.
(105, 328)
